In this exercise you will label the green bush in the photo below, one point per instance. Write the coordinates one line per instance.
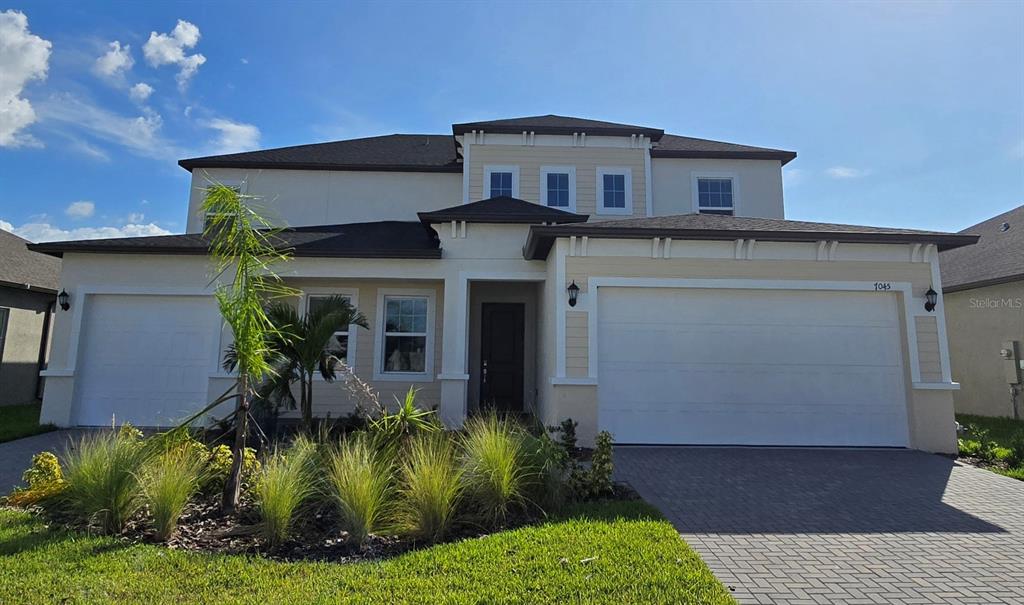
(44, 479)
(168, 482)
(431, 488)
(968, 448)
(283, 484)
(596, 481)
(566, 431)
(220, 459)
(392, 431)
(360, 481)
(495, 462)
(102, 475)
(985, 450)
(1016, 457)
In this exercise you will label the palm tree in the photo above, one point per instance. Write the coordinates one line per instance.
(305, 346)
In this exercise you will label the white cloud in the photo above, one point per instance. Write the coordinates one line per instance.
(80, 210)
(45, 232)
(136, 217)
(845, 172)
(245, 61)
(23, 57)
(139, 134)
(169, 49)
(234, 136)
(114, 63)
(140, 92)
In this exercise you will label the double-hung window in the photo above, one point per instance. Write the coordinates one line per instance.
(715, 195)
(501, 181)
(341, 343)
(558, 187)
(406, 332)
(614, 191)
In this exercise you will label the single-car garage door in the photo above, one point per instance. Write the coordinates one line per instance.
(750, 367)
(145, 359)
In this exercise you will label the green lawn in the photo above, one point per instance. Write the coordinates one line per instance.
(17, 421)
(622, 552)
(1000, 430)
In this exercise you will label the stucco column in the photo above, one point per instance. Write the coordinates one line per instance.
(454, 375)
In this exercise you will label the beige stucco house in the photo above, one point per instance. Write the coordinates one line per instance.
(984, 288)
(636, 281)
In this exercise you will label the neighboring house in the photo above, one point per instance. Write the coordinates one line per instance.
(984, 288)
(28, 282)
(636, 281)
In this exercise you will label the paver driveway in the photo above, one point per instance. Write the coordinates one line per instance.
(840, 526)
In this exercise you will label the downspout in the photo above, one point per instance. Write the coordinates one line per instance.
(43, 341)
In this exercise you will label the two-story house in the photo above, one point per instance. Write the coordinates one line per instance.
(635, 281)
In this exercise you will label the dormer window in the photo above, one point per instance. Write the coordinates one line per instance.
(558, 187)
(501, 181)
(614, 191)
(715, 195)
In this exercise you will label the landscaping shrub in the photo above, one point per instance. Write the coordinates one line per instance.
(391, 431)
(496, 470)
(596, 481)
(44, 479)
(1016, 457)
(103, 477)
(284, 483)
(220, 459)
(431, 487)
(968, 448)
(168, 482)
(985, 450)
(566, 431)
(360, 481)
(549, 465)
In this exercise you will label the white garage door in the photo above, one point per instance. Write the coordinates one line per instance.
(750, 367)
(145, 359)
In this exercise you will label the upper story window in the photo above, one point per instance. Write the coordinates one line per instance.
(558, 187)
(501, 181)
(715, 195)
(614, 191)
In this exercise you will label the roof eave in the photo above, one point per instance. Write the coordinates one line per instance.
(298, 253)
(507, 219)
(30, 287)
(983, 283)
(654, 134)
(191, 164)
(541, 238)
(783, 156)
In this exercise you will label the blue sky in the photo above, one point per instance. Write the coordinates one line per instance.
(903, 114)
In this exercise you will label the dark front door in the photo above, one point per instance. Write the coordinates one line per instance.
(501, 357)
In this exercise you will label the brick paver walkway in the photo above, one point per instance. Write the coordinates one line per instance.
(840, 526)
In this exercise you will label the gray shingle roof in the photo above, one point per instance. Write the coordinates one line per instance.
(384, 239)
(552, 124)
(721, 227)
(502, 209)
(998, 256)
(674, 146)
(22, 267)
(390, 153)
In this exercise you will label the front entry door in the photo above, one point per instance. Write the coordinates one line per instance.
(501, 357)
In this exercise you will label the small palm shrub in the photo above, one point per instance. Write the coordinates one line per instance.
(283, 484)
(168, 482)
(103, 477)
(44, 479)
(392, 431)
(431, 487)
(360, 481)
(495, 462)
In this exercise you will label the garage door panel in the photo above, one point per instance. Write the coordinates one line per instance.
(784, 371)
(145, 359)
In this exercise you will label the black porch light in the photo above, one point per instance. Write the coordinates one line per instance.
(574, 291)
(931, 298)
(63, 298)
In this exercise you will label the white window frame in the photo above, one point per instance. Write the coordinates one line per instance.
(241, 188)
(429, 350)
(695, 178)
(627, 183)
(353, 299)
(571, 171)
(502, 168)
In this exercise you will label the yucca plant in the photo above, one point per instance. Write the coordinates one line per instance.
(431, 487)
(285, 482)
(102, 473)
(496, 469)
(168, 482)
(392, 430)
(360, 481)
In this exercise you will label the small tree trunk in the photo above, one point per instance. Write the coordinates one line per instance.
(233, 486)
(306, 397)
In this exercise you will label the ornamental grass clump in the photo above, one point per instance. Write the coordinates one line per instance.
(497, 474)
(284, 483)
(103, 477)
(360, 481)
(168, 482)
(431, 487)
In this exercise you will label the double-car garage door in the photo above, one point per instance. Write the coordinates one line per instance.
(145, 359)
(750, 367)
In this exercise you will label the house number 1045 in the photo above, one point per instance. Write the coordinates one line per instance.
(882, 286)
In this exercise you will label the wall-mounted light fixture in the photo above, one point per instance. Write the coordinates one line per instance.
(931, 298)
(64, 299)
(574, 292)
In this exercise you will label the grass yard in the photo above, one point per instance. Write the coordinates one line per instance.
(1000, 430)
(618, 552)
(17, 421)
